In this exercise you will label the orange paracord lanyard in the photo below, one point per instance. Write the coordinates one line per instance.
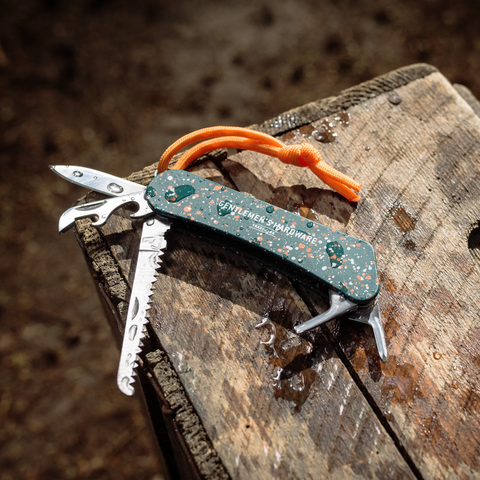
(300, 155)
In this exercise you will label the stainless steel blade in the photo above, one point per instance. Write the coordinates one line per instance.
(151, 245)
(96, 180)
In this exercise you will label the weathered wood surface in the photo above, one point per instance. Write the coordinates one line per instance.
(254, 400)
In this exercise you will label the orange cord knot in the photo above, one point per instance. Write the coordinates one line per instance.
(306, 155)
(300, 155)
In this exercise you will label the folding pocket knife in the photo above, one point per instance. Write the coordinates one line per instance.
(314, 254)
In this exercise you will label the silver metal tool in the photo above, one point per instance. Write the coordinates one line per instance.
(339, 306)
(97, 181)
(152, 243)
(318, 254)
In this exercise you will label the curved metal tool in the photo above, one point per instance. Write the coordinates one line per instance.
(102, 209)
(371, 316)
(339, 305)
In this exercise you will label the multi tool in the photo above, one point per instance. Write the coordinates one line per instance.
(313, 254)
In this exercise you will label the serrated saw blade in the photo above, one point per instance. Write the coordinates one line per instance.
(151, 248)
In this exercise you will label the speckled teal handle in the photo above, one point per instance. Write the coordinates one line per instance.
(344, 263)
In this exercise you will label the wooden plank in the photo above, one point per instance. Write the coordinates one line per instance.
(418, 159)
(272, 403)
(225, 325)
(263, 402)
(110, 253)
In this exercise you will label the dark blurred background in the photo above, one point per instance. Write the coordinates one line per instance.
(110, 84)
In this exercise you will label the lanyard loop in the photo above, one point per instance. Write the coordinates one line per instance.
(299, 155)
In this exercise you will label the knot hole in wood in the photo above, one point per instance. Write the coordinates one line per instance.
(474, 243)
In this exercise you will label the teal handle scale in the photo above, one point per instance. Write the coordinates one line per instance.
(342, 262)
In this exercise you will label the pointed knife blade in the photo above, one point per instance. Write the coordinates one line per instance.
(151, 248)
(96, 180)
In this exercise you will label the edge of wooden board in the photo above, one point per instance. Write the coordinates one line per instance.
(313, 111)
(112, 284)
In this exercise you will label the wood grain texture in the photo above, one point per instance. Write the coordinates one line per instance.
(311, 112)
(418, 160)
(276, 405)
(110, 253)
(271, 403)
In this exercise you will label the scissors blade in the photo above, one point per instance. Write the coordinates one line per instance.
(96, 180)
